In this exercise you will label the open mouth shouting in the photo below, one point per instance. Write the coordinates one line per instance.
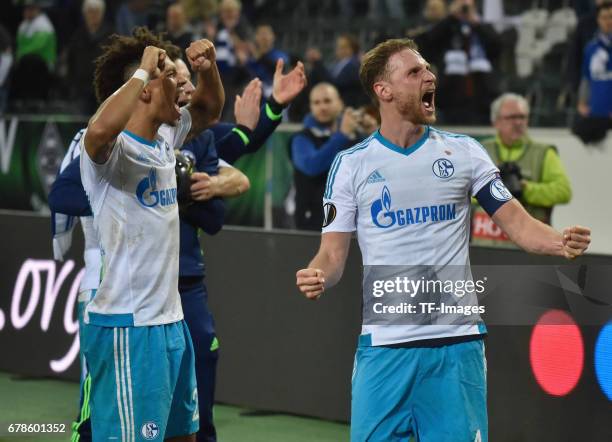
(428, 100)
(177, 102)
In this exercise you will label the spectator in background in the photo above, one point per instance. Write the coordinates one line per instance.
(316, 72)
(584, 33)
(36, 35)
(368, 119)
(262, 63)
(83, 49)
(232, 51)
(379, 9)
(466, 76)
(344, 73)
(233, 33)
(199, 10)
(230, 38)
(595, 93)
(531, 171)
(327, 131)
(179, 32)
(131, 14)
(6, 61)
(434, 11)
(36, 53)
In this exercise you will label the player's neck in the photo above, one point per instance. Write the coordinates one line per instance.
(143, 126)
(402, 133)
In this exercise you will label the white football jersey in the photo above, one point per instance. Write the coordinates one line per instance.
(409, 207)
(91, 256)
(133, 200)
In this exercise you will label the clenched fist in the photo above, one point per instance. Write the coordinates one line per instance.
(153, 61)
(576, 239)
(201, 55)
(311, 282)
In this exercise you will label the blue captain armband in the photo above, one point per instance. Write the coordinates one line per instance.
(493, 195)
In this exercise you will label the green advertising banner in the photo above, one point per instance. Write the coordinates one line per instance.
(31, 151)
(271, 175)
(32, 148)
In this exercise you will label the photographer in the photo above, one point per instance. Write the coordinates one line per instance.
(465, 52)
(532, 171)
(327, 131)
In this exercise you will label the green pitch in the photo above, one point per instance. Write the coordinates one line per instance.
(50, 401)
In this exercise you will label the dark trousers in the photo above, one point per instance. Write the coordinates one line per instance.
(194, 298)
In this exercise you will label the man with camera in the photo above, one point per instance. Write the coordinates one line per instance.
(465, 51)
(531, 171)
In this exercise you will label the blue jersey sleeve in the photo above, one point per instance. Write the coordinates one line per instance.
(232, 143)
(207, 215)
(67, 195)
(312, 161)
(202, 151)
(237, 140)
(270, 118)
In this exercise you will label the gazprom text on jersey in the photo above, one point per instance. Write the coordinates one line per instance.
(417, 215)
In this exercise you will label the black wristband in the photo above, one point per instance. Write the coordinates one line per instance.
(275, 106)
(245, 130)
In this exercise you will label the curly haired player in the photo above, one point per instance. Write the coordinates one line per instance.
(138, 349)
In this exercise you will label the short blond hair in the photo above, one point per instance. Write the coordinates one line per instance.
(375, 63)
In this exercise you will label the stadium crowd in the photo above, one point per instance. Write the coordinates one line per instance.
(48, 48)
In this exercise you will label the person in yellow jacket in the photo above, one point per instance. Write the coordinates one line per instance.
(531, 170)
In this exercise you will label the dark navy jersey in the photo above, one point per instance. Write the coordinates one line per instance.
(207, 215)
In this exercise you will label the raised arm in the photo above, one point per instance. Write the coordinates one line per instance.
(285, 87)
(536, 237)
(255, 124)
(326, 268)
(209, 96)
(113, 115)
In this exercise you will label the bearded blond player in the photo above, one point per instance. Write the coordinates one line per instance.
(406, 192)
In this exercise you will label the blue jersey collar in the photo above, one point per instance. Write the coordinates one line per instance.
(403, 150)
(139, 139)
